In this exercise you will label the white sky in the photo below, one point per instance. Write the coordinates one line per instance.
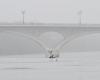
(50, 11)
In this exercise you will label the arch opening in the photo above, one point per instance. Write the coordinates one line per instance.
(51, 39)
(16, 43)
(83, 43)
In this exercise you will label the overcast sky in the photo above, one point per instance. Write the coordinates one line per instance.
(50, 11)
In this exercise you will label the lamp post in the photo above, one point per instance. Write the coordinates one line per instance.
(80, 17)
(23, 16)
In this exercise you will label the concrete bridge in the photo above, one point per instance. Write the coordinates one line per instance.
(51, 36)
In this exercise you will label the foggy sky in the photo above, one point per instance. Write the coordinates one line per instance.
(50, 11)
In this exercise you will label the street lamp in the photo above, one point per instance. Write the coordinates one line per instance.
(23, 16)
(80, 17)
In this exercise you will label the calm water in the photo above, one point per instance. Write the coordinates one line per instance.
(73, 66)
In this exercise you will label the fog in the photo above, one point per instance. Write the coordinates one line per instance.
(50, 11)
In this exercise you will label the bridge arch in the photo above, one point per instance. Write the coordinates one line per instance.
(36, 40)
(74, 37)
(51, 38)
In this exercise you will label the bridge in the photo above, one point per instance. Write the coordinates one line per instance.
(51, 37)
